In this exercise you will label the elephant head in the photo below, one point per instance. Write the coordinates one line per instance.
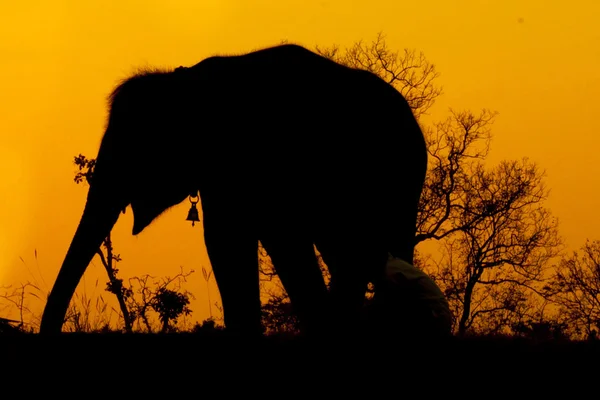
(136, 167)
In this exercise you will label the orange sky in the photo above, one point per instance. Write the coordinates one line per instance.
(537, 63)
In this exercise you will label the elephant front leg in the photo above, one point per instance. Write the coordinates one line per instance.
(352, 263)
(296, 265)
(233, 253)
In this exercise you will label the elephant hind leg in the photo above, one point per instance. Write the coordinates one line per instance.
(353, 264)
(296, 264)
(233, 254)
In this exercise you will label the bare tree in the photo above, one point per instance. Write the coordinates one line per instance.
(501, 243)
(575, 288)
(454, 146)
(150, 297)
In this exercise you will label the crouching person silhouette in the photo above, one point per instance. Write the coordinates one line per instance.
(408, 304)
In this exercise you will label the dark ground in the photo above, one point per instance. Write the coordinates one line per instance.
(299, 364)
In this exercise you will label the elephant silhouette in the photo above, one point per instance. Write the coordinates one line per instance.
(283, 146)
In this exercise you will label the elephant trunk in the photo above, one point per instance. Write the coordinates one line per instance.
(99, 217)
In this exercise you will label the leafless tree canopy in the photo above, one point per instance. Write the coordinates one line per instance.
(408, 71)
(575, 288)
(499, 255)
(453, 146)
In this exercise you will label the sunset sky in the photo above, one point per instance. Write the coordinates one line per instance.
(537, 63)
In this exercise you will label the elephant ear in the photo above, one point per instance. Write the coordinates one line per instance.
(148, 205)
(142, 215)
(145, 204)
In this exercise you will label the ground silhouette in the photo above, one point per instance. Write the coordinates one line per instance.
(286, 366)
